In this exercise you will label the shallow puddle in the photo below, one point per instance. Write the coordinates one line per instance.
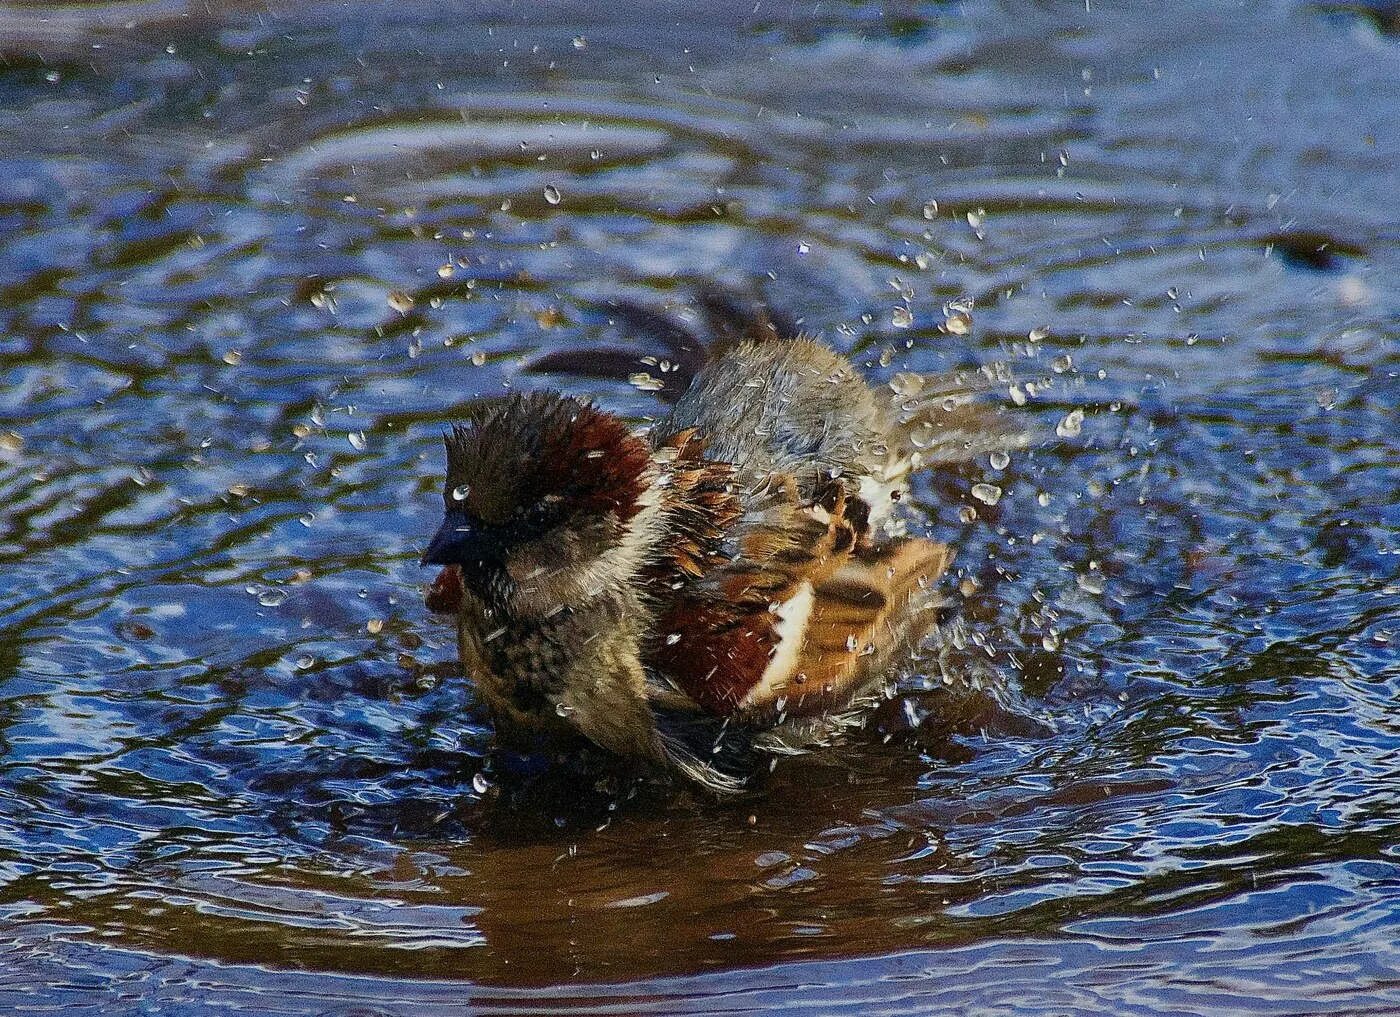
(253, 261)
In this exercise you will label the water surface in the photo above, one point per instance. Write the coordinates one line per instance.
(253, 259)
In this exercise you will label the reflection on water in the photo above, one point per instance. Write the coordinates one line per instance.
(252, 261)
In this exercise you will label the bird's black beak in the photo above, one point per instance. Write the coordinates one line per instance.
(456, 542)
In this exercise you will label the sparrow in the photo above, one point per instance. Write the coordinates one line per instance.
(727, 582)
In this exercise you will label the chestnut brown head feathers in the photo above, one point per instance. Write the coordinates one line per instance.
(541, 490)
(740, 570)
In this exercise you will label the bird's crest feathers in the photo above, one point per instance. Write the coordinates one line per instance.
(547, 454)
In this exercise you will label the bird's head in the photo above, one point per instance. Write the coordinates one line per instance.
(545, 501)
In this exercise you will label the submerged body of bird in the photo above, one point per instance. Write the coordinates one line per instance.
(736, 579)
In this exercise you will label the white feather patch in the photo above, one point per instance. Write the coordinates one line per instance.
(878, 491)
(791, 632)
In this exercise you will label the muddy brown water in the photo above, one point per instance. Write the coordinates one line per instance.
(254, 258)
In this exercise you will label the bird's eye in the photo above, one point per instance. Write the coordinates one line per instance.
(535, 519)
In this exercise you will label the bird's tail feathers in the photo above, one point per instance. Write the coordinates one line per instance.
(706, 751)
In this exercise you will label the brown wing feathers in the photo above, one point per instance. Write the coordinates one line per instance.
(764, 593)
(702, 507)
(877, 605)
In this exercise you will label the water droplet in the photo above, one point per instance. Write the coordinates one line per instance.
(374, 626)
(233, 358)
(673, 639)
(580, 42)
(958, 323)
(273, 598)
(356, 440)
(460, 492)
(907, 384)
(1090, 582)
(1062, 364)
(987, 493)
(911, 713)
(1018, 395)
(11, 441)
(999, 460)
(305, 663)
(550, 317)
(478, 358)
(400, 301)
(851, 643)
(901, 317)
(239, 490)
(1038, 334)
(967, 514)
(1051, 641)
(563, 709)
(318, 415)
(1043, 499)
(1071, 425)
(930, 209)
(552, 195)
(445, 271)
(803, 247)
(480, 784)
(646, 382)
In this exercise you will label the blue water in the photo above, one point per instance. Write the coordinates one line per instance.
(253, 260)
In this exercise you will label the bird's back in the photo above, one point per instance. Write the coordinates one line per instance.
(784, 407)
